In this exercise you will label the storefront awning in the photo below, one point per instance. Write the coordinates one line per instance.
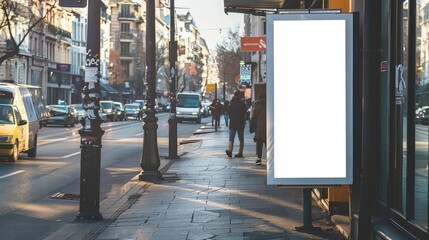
(253, 7)
(107, 88)
(261, 7)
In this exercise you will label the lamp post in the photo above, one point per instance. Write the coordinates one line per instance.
(172, 122)
(91, 132)
(150, 158)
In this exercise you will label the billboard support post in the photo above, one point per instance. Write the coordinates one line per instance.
(307, 214)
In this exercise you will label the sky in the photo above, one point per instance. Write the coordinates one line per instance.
(209, 17)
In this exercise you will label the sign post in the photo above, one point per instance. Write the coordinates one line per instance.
(91, 132)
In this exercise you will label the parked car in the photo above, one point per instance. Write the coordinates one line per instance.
(422, 115)
(79, 111)
(61, 115)
(142, 107)
(120, 111)
(109, 109)
(132, 110)
(205, 107)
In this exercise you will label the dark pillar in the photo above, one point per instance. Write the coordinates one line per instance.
(91, 132)
(150, 160)
(172, 122)
(370, 121)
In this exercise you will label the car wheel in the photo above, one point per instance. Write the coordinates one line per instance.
(33, 151)
(14, 156)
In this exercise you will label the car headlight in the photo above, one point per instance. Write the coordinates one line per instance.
(6, 139)
(119, 112)
(178, 113)
(195, 113)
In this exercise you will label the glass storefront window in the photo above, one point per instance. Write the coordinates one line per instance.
(422, 114)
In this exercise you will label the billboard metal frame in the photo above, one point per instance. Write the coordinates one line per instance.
(314, 149)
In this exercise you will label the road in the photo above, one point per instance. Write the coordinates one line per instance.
(28, 207)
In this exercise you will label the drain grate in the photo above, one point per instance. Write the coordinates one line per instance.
(66, 196)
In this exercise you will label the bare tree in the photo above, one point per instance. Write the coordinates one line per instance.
(17, 20)
(117, 74)
(228, 59)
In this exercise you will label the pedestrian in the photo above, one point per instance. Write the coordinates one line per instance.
(237, 115)
(216, 109)
(259, 114)
(225, 112)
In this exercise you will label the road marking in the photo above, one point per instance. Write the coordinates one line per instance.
(71, 155)
(11, 174)
(138, 134)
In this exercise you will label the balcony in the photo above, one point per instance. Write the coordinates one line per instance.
(53, 30)
(126, 35)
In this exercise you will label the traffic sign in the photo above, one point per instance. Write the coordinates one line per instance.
(211, 87)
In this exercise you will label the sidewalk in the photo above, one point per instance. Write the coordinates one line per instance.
(204, 195)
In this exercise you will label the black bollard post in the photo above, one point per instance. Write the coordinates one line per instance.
(91, 132)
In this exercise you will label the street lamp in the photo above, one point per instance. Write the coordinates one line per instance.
(172, 122)
(150, 158)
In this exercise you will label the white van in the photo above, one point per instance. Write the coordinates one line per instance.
(188, 106)
(20, 96)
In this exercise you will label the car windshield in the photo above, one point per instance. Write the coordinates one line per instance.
(132, 107)
(118, 106)
(6, 116)
(58, 111)
(189, 101)
(106, 105)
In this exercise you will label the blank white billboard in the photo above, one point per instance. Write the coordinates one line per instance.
(310, 99)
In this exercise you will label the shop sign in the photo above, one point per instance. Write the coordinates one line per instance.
(253, 44)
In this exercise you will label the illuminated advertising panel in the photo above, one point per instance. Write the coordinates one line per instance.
(310, 99)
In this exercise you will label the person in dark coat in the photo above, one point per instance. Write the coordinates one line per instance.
(237, 115)
(225, 112)
(259, 114)
(216, 109)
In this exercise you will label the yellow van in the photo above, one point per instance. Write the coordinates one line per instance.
(12, 127)
(21, 98)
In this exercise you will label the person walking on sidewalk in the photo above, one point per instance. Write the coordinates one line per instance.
(216, 109)
(237, 114)
(259, 114)
(225, 112)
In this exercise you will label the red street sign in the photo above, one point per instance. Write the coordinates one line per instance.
(253, 44)
(383, 66)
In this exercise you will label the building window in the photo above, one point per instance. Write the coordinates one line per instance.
(126, 67)
(125, 27)
(125, 49)
(125, 10)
